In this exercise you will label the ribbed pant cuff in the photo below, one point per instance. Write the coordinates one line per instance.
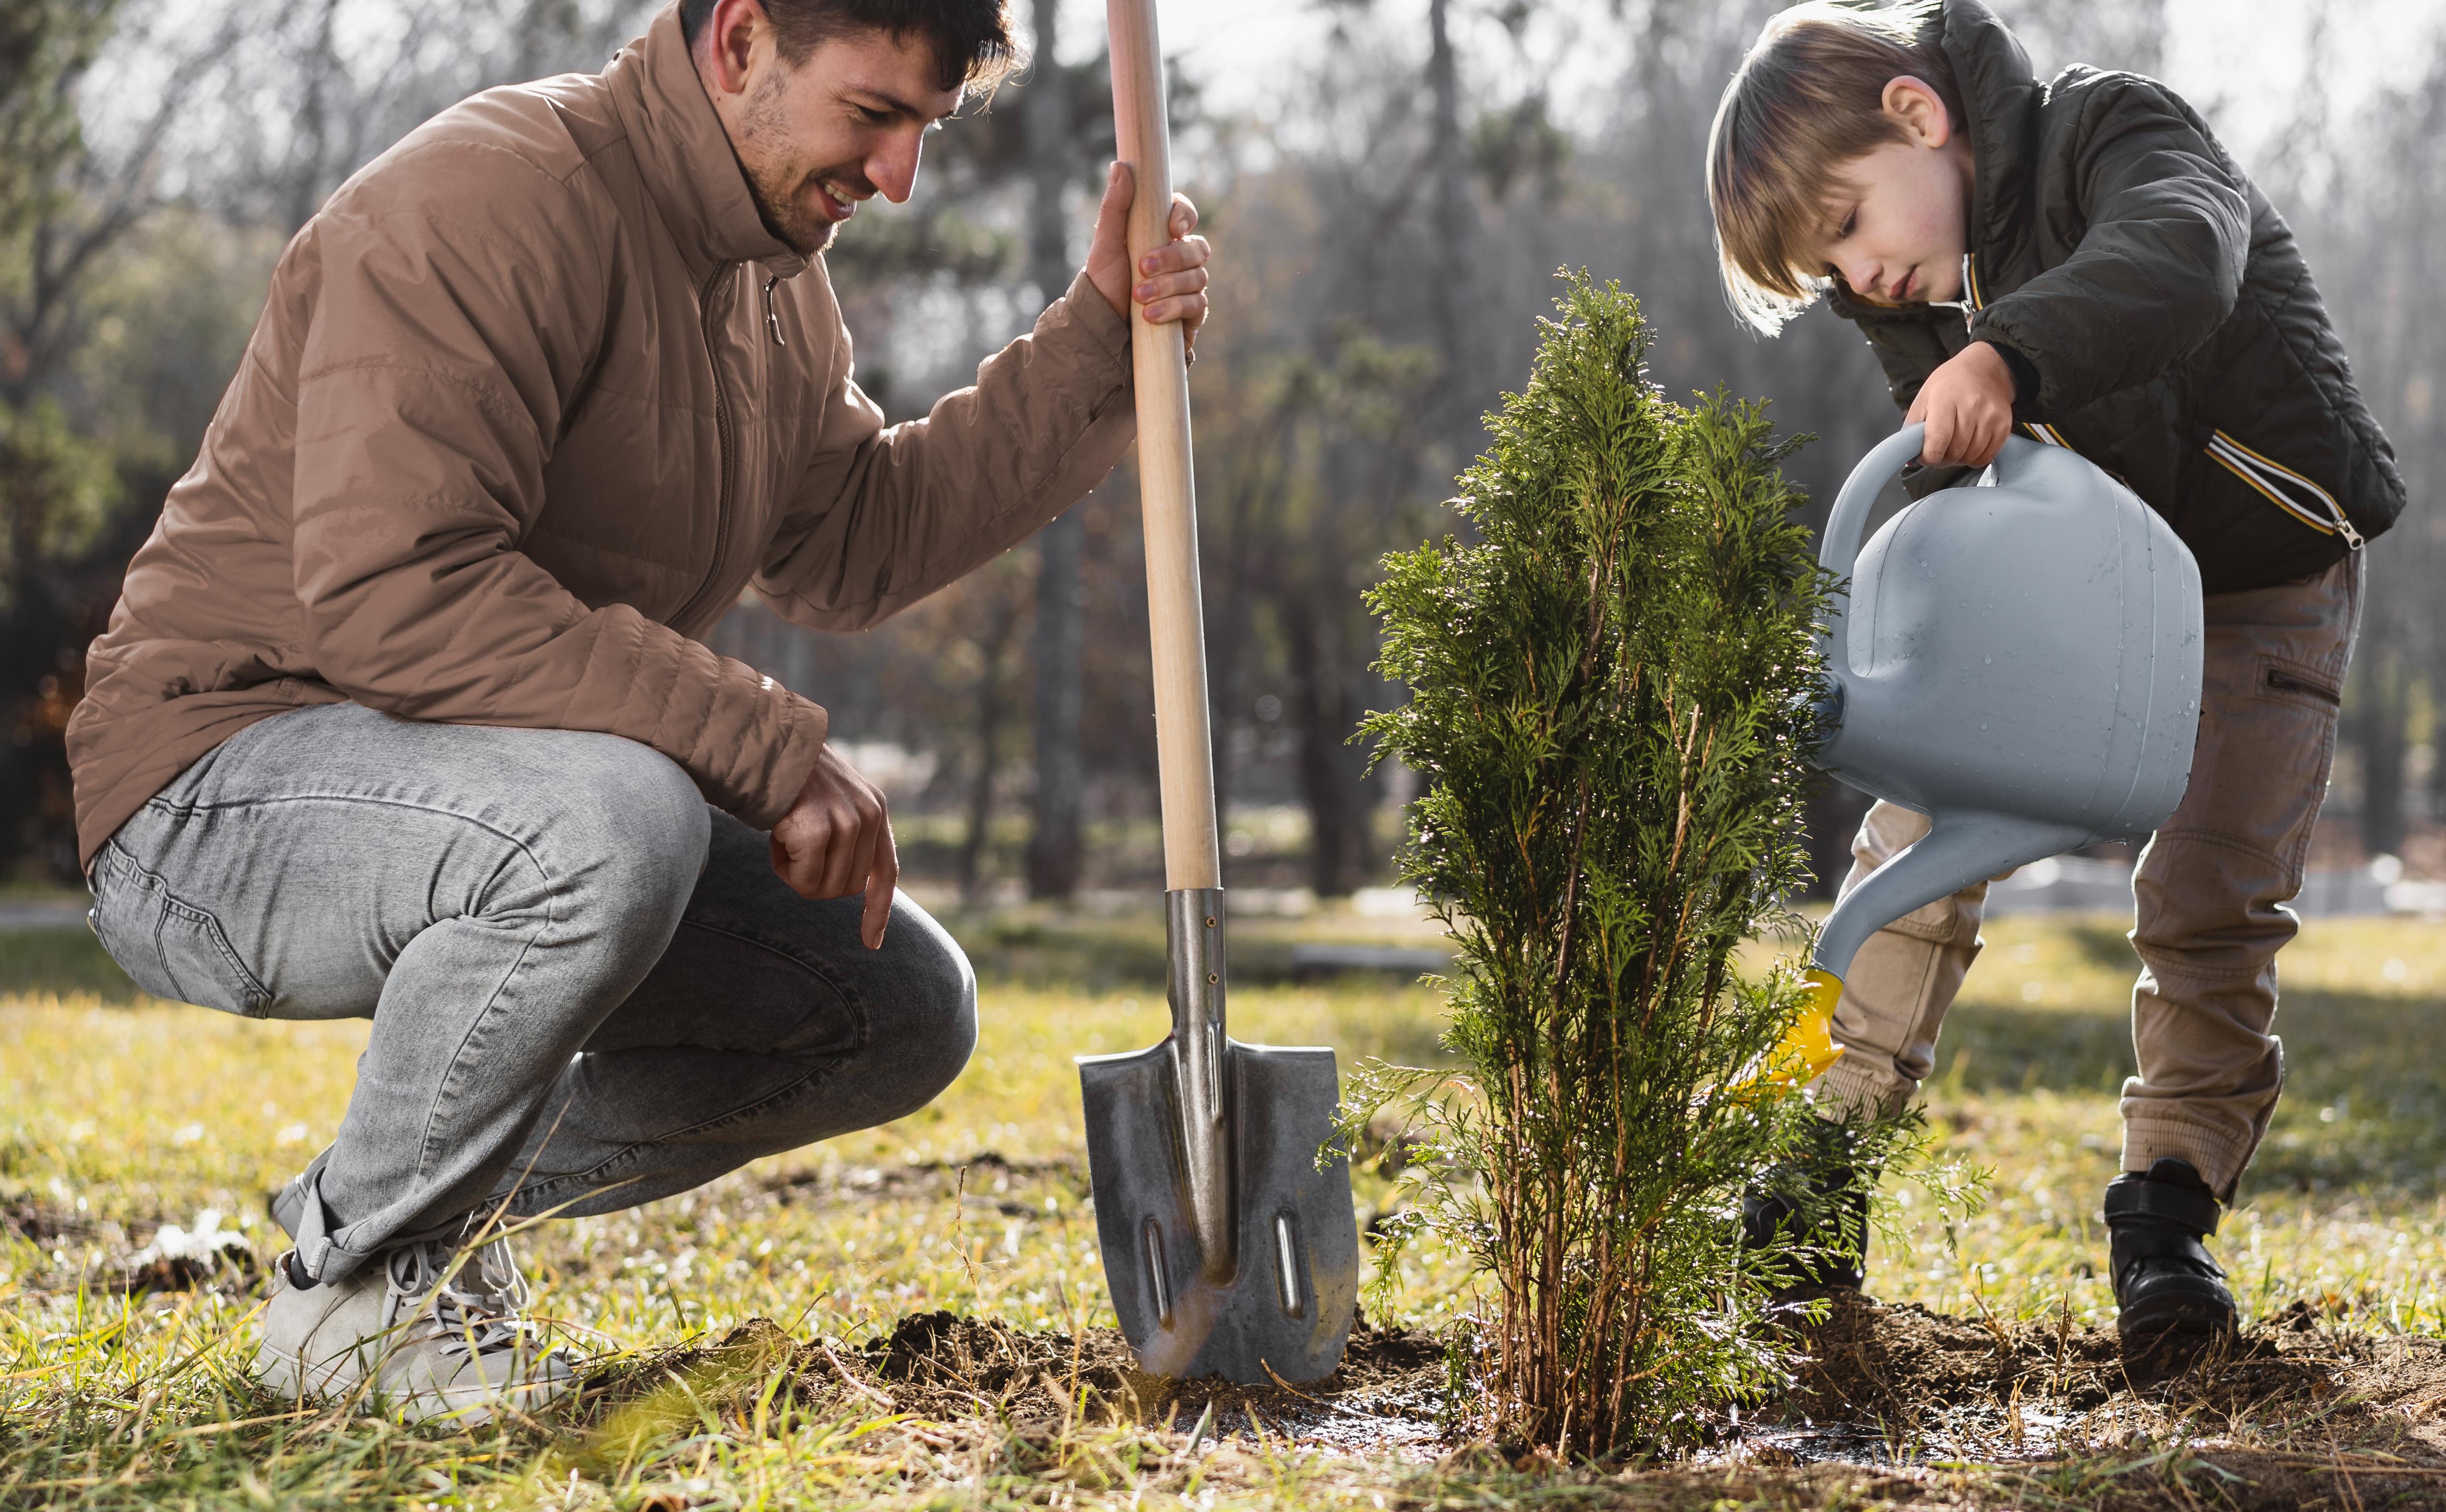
(1854, 1084)
(2218, 1158)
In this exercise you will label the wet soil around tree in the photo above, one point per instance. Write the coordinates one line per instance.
(1889, 1406)
(1895, 1404)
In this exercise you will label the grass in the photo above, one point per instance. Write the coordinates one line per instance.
(118, 1114)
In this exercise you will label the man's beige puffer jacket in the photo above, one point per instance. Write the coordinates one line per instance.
(533, 398)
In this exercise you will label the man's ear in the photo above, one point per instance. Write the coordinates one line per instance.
(1907, 100)
(728, 45)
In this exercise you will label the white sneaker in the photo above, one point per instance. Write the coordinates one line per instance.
(421, 1341)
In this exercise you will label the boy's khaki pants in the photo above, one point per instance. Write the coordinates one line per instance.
(2209, 891)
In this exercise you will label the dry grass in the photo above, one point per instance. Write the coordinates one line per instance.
(117, 1118)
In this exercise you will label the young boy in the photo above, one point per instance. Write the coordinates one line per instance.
(2077, 259)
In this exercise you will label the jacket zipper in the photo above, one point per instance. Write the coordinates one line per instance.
(2281, 681)
(1971, 304)
(721, 430)
(2284, 488)
(772, 318)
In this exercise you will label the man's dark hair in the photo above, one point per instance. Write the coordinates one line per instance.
(972, 39)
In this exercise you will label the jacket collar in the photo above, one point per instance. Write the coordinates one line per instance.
(690, 171)
(2000, 94)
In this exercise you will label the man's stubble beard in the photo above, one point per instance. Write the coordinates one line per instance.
(772, 185)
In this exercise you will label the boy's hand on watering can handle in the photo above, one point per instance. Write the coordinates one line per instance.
(1968, 406)
(1169, 281)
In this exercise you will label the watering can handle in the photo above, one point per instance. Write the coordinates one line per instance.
(1839, 546)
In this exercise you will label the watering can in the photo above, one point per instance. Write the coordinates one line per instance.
(2018, 660)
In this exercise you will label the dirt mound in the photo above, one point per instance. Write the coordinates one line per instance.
(943, 1365)
(1897, 1385)
(1388, 1394)
(42, 1224)
(1932, 1410)
(105, 1255)
(1388, 1391)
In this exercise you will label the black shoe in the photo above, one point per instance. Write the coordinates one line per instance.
(2172, 1297)
(1830, 1251)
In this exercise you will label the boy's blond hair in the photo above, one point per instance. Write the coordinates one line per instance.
(1806, 100)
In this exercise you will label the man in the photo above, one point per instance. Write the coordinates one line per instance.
(402, 712)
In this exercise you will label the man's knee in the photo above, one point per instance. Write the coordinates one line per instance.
(629, 822)
(926, 1035)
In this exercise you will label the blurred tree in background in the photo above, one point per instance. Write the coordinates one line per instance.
(2369, 193)
(73, 451)
(1390, 205)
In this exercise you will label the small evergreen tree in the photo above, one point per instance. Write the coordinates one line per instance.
(1610, 702)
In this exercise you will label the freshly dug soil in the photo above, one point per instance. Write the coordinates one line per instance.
(2296, 1413)
(124, 1267)
(1386, 1393)
(940, 1367)
(1913, 1371)
(1908, 1408)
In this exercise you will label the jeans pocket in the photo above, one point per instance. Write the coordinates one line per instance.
(171, 948)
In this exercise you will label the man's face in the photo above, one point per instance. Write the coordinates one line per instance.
(1898, 221)
(820, 135)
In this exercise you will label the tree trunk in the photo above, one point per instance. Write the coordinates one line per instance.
(1003, 622)
(1056, 853)
(2379, 731)
(1321, 706)
(1453, 212)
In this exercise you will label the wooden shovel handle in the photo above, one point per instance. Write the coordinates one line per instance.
(1167, 491)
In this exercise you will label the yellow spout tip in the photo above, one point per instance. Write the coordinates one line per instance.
(1809, 1047)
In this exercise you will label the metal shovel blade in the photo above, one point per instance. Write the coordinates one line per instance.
(1276, 1288)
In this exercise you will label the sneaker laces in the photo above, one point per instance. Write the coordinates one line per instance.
(474, 1303)
(497, 1273)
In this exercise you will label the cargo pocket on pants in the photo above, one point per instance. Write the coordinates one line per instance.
(171, 949)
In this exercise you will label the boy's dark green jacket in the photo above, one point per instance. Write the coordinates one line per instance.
(2175, 335)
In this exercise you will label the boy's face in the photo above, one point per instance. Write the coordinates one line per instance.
(1898, 219)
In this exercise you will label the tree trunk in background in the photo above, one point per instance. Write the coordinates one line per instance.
(1326, 716)
(1054, 852)
(1455, 211)
(2378, 730)
(1003, 624)
(1246, 512)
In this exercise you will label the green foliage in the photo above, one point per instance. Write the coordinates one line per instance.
(940, 242)
(1608, 700)
(45, 46)
(56, 489)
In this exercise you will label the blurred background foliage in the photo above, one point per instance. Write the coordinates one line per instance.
(1390, 206)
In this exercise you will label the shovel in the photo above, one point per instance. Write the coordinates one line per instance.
(1228, 1252)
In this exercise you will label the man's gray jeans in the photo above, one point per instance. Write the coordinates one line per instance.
(588, 989)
